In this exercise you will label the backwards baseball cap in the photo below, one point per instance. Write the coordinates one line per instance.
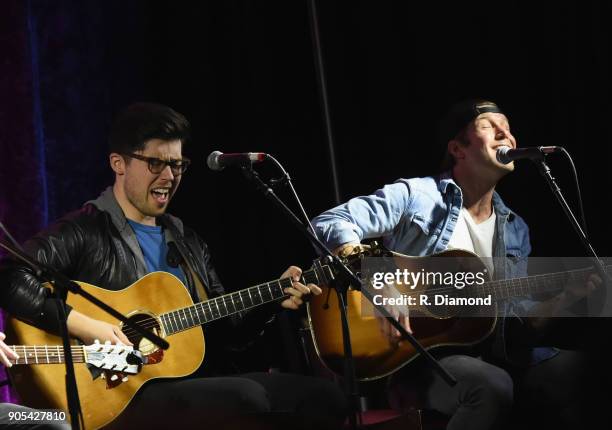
(460, 115)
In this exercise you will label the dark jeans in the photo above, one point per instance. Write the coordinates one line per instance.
(481, 399)
(569, 390)
(249, 401)
(572, 389)
(561, 393)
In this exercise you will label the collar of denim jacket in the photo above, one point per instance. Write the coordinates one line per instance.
(500, 207)
(445, 180)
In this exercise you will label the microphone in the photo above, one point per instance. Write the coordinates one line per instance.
(506, 155)
(217, 160)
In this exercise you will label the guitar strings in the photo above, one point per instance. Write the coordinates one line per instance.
(149, 323)
(50, 354)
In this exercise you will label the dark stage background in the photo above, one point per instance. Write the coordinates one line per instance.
(243, 73)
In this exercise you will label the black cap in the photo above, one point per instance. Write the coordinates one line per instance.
(460, 115)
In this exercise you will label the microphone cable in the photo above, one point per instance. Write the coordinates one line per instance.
(580, 205)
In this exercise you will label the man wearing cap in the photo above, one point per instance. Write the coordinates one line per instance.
(456, 209)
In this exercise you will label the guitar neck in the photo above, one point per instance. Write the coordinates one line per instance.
(239, 301)
(520, 287)
(46, 354)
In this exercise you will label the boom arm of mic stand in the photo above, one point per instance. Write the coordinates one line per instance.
(346, 273)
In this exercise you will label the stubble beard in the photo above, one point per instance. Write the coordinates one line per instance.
(145, 206)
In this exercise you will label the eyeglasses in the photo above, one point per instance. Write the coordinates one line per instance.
(156, 165)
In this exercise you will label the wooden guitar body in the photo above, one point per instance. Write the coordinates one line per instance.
(376, 357)
(42, 386)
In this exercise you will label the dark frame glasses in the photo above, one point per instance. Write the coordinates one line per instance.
(157, 165)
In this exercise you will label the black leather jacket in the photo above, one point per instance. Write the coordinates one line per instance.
(96, 245)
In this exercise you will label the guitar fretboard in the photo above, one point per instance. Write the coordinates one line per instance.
(520, 287)
(46, 354)
(228, 304)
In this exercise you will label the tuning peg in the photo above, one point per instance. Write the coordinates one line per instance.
(114, 378)
(125, 379)
(97, 341)
(103, 376)
(108, 342)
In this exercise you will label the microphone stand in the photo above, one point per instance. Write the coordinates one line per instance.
(61, 286)
(345, 278)
(599, 266)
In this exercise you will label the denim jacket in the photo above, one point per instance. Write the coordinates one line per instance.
(417, 217)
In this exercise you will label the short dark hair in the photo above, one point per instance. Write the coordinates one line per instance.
(455, 122)
(140, 122)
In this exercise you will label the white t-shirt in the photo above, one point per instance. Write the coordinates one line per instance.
(477, 238)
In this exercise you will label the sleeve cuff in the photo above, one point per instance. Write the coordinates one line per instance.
(49, 317)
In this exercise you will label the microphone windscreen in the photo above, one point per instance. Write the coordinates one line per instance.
(212, 161)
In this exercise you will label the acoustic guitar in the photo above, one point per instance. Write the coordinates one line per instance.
(158, 301)
(434, 326)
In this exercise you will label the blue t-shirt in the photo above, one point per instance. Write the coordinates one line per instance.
(155, 249)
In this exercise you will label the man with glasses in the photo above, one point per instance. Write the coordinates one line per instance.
(126, 233)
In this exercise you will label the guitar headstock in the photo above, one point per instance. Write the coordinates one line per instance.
(115, 358)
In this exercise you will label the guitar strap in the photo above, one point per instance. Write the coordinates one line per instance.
(196, 280)
(172, 235)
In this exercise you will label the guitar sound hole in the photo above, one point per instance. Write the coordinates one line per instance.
(144, 345)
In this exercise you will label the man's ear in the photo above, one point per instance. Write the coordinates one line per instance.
(455, 149)
(117, 163)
